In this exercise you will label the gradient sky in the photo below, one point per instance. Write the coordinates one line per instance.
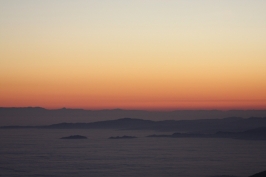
(133, 54)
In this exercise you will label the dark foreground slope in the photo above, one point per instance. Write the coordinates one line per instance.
(261, 174)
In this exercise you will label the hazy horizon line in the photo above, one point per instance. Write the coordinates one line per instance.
(124, 109)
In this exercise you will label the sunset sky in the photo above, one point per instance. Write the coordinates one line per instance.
(133, 54)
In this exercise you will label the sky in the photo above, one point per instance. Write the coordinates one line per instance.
(133, 54)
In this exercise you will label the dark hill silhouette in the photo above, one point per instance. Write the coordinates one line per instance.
(195, 126)
(204, 126)
(123, 124)
(252, 134)
(39, 116)
(261, 174)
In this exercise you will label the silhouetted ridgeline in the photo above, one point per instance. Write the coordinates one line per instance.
(40, 116)
(261, 174)
(184, 126)
(252, 134)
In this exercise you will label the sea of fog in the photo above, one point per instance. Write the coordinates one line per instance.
(41, 152)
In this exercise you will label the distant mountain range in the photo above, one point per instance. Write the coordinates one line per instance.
(236, 128)
(202, 126)
(252, 134)
(32, 116)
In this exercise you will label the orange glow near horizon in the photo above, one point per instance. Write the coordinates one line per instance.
(153, 55)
